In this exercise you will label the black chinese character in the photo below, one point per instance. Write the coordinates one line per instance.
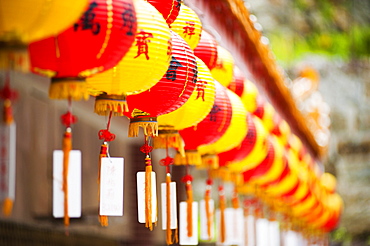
(87, 20)
(128, 18)
(171, 72)
(213, 113)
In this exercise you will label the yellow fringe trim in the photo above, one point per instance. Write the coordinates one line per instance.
(7, 206)
(74, 89)
(191, 158)
(170, 140)
(210, 161)
(150, 128)
(103, 107)
(14, 59)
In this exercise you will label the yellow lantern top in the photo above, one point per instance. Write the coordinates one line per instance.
(188, 26)
(249, 96)
(25, 21)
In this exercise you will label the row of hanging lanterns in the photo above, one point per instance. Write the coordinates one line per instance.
(151, 62)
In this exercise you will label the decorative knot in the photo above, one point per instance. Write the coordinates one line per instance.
(166, 161)
(187, 178)
(146, 148)
(106, 135)
(209, 182)
(68, 119)
(221, 188)
(6, 93)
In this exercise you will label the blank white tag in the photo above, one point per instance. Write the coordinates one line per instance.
(111, 186)
(141, 197)
(250, 235)
(203, 220)
(173, 205)
(7, 161)
(274, 233)
(237, 226)
(184, 239)
(74, 184)
(262, 232)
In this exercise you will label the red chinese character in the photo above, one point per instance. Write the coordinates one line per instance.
(201, 85)
(142, 43)
(189, 29)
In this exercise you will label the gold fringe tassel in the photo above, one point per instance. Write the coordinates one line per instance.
(192, 157)
(150, 128)
(222, 217)
(148, 195)
(189, 201)
(65, 89)
(7, 207)
(170, 140)
(67, 147)
(103, 107)
(16, 59)
(210, 161)
(103, 219)
(207, 198)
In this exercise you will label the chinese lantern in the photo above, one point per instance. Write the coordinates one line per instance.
(249, 96)
(281, 129)
(169, 9)
(170, 93)
(236, 131)
(188, 26)
(256, 149)
(141, 68)
(96, 42)
(237, 83)
(209, 130)
(207, 50)
(265, 112)
(26, 21)
(194, 110)
(223, 71)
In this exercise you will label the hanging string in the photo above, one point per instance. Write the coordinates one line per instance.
(167, 162)
(106, 136)
(67, 120)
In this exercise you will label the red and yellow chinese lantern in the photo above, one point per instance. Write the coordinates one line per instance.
(265, 112)
(206, 50)
(237, 83)
(249, 96)
(188, 26)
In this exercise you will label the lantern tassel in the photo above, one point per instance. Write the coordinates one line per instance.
(187, 179)
(148, 193)
(103, 219)
(75, 89)
(168, 210)
(222, 214)
(7, 206)
(67, 147)
(8, 112)
(207, 198)
(150, 128)
(191, 157)
(110, 103)
(169, 139)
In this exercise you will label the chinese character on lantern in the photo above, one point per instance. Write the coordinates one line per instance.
(178, 4)
(213, 113)
(129, 19)
(171, 72)
(87, 20)
(142, 43)
(201, 85)
(189, 29)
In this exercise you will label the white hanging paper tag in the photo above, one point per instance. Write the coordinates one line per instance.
(111, 186)
(250, 235)
(141, 197)
(203, 220)
(173, 205)
(262, 232)
(274, 233)
(7, 161)
(74, 184)
(237, 226)
(184, 239)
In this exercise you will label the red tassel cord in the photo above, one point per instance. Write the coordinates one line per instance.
(209, 214)
(167, 162)
(187, 179)
(106, 136)
(146, 149)
(67, 120)
(222, 213)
